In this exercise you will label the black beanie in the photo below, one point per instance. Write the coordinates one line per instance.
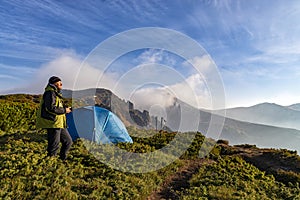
(54, 79)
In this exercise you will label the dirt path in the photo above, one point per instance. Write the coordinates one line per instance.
(178, 181)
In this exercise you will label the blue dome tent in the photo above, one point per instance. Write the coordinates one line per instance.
(97, 124)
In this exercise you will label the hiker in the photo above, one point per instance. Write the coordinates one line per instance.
(52, 116)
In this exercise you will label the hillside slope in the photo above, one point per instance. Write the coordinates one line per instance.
(229, 172)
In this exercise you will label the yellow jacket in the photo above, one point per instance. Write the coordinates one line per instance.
(51, 113)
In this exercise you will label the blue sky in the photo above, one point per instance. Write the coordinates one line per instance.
(254, 44)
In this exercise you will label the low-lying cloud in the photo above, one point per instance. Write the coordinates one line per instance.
(69, 68)
(192, 91)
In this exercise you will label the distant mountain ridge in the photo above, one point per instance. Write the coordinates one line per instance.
(268, 114)
(239, 132)
(295, 106)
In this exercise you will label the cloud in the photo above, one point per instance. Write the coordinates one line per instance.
(31, 52)
(140, 11)
(73, 73)
(156, 56)
(150, 56)
(192, 91)
(13, 75)
(145, 98)
(204, 64)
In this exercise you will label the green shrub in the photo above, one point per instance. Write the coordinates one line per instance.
(233, 178)
(17, 117)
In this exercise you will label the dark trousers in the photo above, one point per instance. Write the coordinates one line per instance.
(55, 136)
